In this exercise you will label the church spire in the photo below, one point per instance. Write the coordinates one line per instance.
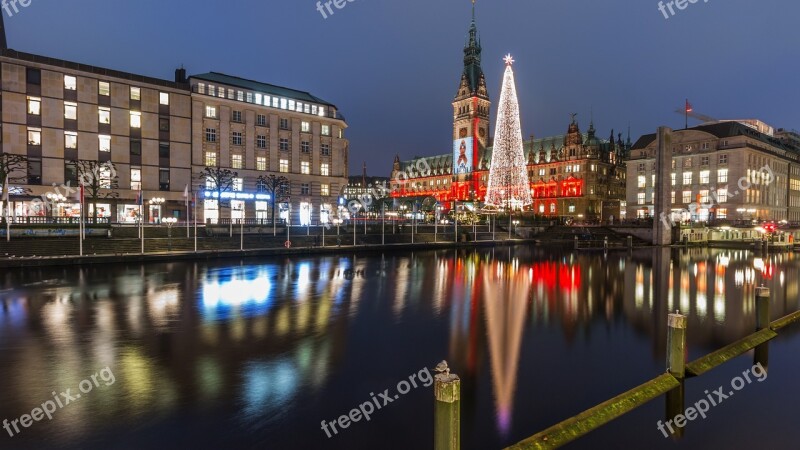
(472, 56)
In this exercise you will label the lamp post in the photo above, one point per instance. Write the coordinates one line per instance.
(437, 211)
(53, 200)
(170, 221)
(157, 202)
(241, 228)
(516, 222)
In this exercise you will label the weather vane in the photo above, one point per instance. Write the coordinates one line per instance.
(508, 59)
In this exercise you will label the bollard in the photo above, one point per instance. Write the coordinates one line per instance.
(762, 308)
(676, 345)
(447, 409)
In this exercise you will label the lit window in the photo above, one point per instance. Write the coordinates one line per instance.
(673, 178)
(261, 163)
(687, 178)
(105, 177)
(672, 197)
(284, 165)
(705, 176)
(704, 196)
(70, 139)
(210, 183)
(722, 176)
(236, 161)
(163, 98)
(221, 92)
(291, 105)
(722, 213)
(34, 106)
(104, 88)
(249, 97)
(70, 83)
(211, 159)
(321, 111)
(324, 169)
(238, 184)
(136, 93)
(34, 136)
(212, 91)
(326, 130)
(258, 99)
(136, 119)
(722, 195)
(642, 182)
(104, 115)
(687, 197)
(305, 167)
(283, 103)
(641, 198)
(240, 96)
(136, 179)
(571, 208)
(305, 127)
(324, 190)
(201, 88)
(105, 143)
(211, 112)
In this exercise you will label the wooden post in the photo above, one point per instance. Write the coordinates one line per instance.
(605, 242)
(761, 353)
(630, 241)
(576, 242)
(447, 412)
(676, 345)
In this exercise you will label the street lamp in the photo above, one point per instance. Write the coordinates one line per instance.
(516, 222)
(157, 201)
(53, 200)
(170, 221)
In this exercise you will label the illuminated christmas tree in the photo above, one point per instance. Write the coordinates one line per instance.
(508, 175)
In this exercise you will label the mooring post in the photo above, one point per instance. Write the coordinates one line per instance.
(447, 411)
(630, 241)
(605, 243)
(762, 308)
(576, 242)
(676, 345)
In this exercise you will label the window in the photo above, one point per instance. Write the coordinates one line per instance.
(211, 159)
(673, 177)
(163, 98)
(70, 111)
(641, 198)
(163, 124)
(305, 127)
(34, 136)
(163, 150)
(672, 197)
(687, 178)
(325, 149)
(163, 179)
(34, 171)
(722, 195)
(704, 160)
(722, 213)
(705, 176)
(305, 167)
(722, 175)
(552, 208)
(211, 135)
(642, 181)
(34, 106)
(326, 130)
(261, 141)
(136, 147)
(236, 138)
(211, 112)
(70, 173)
(305, 189)
(704, 196)
(136, 179)
(571, 208)
(104, 115)
(324, 169)
(237, 116)
(236, 161)
(212, 90)
(238, 184)
(324, 190)
(249, 97)
(136, 94)
(687, 197)
(136, 119)
(221, 92)
(210, 183)
(723, 159)
(105, 177)
(284, 165)
(201, 88)
(284, 144)
(70, 83)
(70, 139)
(305, 147)
(284, 124)
(105, 143)
(104, 88)
(261, 163)
(261, 120)
(687, 163)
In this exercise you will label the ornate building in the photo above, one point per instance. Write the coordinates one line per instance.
(575, 175)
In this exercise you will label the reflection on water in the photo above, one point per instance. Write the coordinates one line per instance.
(260, 338)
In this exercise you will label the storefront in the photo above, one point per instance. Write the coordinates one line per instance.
(128, 213)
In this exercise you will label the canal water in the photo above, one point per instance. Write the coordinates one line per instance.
(257, 353)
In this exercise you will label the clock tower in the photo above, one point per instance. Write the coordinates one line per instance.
(471, 108)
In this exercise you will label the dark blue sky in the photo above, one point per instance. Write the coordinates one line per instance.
(392, 67)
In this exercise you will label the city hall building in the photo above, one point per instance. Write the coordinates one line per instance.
(721, 171)
(572, 176)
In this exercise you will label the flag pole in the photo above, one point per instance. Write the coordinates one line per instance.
(80, 221)
(7, 201)
(141, 222)
(195, 222)
(186, 196)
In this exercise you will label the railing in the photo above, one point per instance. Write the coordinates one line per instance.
(39, 220)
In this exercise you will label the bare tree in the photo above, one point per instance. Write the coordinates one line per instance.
(218, 180)
(98, 179)
(13, 169)
(278, 189)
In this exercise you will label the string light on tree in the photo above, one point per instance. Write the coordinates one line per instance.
(509, 186)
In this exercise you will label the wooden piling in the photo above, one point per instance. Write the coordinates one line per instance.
(761, 353)
(447, 412)
(630, 241)
(676, 345)
(576, 242)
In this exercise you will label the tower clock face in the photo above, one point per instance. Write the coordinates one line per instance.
(482, 132)
(462, 133)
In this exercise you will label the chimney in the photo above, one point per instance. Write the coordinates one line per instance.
(3, 43)
(180, 75)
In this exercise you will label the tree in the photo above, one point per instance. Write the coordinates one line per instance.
(220, 181)
(13, 169)
(278, 189)
(97, 180)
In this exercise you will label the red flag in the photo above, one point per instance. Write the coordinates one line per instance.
(688, 106)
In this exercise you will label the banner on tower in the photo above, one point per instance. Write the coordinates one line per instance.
(462, 156)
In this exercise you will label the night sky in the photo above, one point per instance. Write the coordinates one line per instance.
(392, 67)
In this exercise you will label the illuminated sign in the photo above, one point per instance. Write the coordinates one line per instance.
(236, 195)
(462, 156)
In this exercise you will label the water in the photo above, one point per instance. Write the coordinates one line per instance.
(257, 353)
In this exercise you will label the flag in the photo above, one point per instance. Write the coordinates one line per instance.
(139, 198)
(688, 106)
(79, 193)
(186, 192)
(5, 190)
